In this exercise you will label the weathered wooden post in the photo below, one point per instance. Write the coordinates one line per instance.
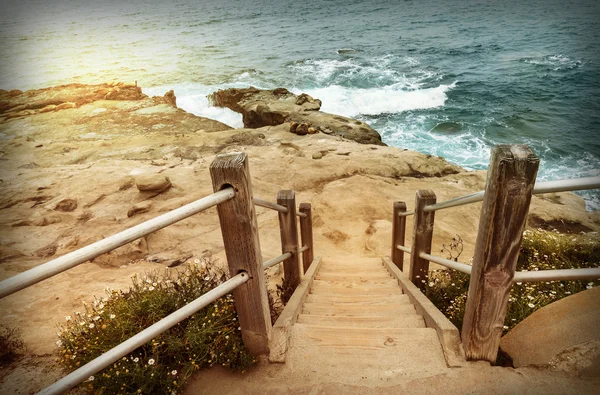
(398, 233)
(242, 247)
(289, 238)
(422, 236)
(306, 235)
(510, 181)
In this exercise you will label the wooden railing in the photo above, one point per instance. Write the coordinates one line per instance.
(509, 187)
(235, 205)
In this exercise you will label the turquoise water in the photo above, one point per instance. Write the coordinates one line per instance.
(445, 78)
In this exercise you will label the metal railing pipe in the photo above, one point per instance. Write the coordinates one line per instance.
(575, 184)
(459, 266)
(86, 371)
(72, 259)
(557, 275)
(302, 249)
(272, 206)
(405, 249)
(406, 213)
(459, 201)
(301, 215)
(276, 260)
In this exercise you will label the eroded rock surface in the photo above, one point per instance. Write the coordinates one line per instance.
(273, 107)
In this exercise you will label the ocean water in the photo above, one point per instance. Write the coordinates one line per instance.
(447, 78)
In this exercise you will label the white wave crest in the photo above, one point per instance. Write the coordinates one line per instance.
(352, 102)
(192, 98)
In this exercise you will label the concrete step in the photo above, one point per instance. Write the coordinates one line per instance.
(358, 310)
(341, 299)
(372, 350)
(399, 321)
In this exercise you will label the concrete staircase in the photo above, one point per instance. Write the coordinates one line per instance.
(357, 314)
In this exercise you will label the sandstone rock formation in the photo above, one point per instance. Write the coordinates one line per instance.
(558, 332)
(273, 107)
(95, 152)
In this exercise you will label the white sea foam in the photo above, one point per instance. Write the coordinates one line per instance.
(352, 102)
(192, 98)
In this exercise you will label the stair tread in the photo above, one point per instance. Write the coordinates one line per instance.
(358, 298)
(368, 310)
(386, 347)
(396, 321)
(330, 276)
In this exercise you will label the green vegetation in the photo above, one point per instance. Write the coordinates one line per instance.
(210, 337)
(540, 250)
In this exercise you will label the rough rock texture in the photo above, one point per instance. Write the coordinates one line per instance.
(152, 183)
(274, 107)
(557, 332)
(93, 154)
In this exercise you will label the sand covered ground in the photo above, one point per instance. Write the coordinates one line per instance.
(68, 178)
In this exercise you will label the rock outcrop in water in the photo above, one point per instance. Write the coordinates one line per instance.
(273, 107)
(74, 176)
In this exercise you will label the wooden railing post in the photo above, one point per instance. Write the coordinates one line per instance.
(510, 180)
(242, 247)
(422, 235)
(306, 235)
(398, 234)
(289, 238)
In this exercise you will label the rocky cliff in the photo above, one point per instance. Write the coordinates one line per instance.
(82, 162)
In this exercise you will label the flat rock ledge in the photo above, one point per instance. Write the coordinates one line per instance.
(274, 107)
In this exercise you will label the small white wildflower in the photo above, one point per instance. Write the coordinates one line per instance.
(150, 288)
(589, 286)
(567, 293)
(174, 372)
(136, 359)
(59, 343)
(154, 284)
(96, 318)
(227, 337)
(431, 284)
(91, 378)
(68, 318)
(531, 305)
(151, 361)
(505, 327)
(91, 326)
(196, 261)
(112, 316)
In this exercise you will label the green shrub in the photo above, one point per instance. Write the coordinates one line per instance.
(163, 365)
(11, 345)
(540, 250)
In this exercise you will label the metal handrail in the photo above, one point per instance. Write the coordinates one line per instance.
(575, 184)
(405, 249)
(461, 267)
(302, 249)
(521, 276)
(276, 260)
(557, 275)
(72, 259)
(274, 206)
(86, 371)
